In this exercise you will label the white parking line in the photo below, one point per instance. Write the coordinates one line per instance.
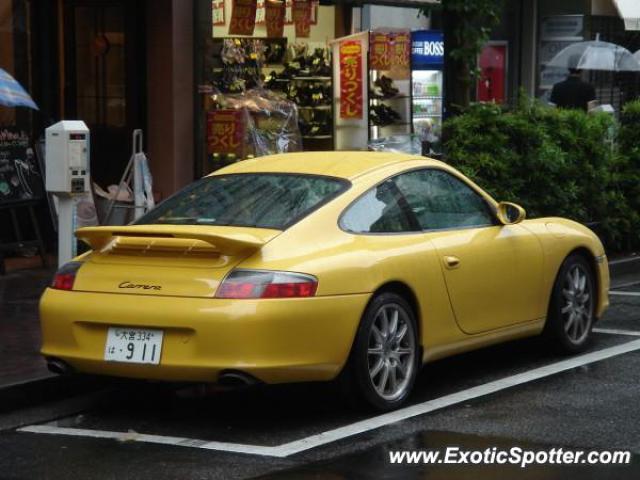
(624, 294)
(330, 436)
(615, 331)
(159, 439)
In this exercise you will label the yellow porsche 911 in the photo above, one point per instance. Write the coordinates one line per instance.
(355, 266)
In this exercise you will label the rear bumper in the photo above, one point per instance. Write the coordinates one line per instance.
(274, 340)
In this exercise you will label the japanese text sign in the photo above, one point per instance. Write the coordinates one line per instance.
(351, 79)
(243, 17)
(225, 132)
(275, 11)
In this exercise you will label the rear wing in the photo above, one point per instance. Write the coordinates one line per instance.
(225, 240)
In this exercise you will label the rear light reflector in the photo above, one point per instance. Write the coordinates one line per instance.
(267, 284)
(66, 276)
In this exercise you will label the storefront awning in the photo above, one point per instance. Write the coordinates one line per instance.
(629, 10)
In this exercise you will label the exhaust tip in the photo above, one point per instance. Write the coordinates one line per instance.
(55, 365)
(236, 379)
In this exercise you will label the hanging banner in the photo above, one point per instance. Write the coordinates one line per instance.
(351, 79)
(302, 17)
(243, 17)
(401, 49)
(217, 11)
(225, 132)
(274, 14)
(379, 51)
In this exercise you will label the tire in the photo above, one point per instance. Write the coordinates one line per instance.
(381, 372)
(572, 307)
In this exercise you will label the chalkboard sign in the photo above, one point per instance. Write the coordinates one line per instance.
(20, 176)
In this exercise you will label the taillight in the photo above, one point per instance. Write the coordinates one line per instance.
(66, 276)
(267, 284)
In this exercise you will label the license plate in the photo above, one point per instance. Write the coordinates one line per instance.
(133, 345)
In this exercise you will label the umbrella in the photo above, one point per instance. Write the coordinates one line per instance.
(12, 94)
(596, 55)
(637, 55)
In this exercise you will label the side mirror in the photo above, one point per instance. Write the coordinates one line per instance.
(510, 213)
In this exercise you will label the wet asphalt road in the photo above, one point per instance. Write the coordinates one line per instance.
(594, 406)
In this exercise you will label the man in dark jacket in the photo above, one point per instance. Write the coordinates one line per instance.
(573, 92)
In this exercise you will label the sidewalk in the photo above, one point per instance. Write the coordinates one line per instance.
(20, 360)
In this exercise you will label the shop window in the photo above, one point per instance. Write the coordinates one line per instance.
(100, 71)
(293, 109)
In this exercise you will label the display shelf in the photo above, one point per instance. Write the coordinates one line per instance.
(427, 97)
(313, 79)
(314, 107)
(399, 124)
(317, 137)
(389, 99)
(427, 115)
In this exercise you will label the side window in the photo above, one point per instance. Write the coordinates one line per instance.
(380, 210)
(439, 200)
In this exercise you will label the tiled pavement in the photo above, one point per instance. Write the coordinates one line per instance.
(19, 329)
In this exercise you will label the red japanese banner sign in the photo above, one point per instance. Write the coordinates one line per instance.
(225, 132)
(351, 87)
(379, 51)
(274, 15)
(302, 17)
(401, 49)
(243, 17)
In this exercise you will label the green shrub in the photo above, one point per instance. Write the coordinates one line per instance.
(553, 162)
(626, 171)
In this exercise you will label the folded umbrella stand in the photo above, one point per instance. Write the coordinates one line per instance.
(137, 177)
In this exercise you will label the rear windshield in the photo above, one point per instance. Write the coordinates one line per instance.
(261, 200)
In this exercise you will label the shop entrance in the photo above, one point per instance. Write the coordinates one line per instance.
(104, 78)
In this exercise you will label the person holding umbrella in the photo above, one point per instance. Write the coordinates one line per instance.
(573, 92)
(588, 55)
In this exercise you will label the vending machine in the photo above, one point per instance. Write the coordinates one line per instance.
(427, 63)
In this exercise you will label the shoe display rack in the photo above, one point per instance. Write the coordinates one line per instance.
(239, 64)
(390, 103)
(297, 72)
(307, 81)
(385, 100)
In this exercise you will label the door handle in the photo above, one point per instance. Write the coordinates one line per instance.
(451, 262)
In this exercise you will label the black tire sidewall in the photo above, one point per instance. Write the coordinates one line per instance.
(554, 328)
(359, 359)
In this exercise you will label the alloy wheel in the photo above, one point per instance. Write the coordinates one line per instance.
(577, 312)
(391, 352)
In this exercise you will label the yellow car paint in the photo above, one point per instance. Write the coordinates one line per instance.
(471, 287)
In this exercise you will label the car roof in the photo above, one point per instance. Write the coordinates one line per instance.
(340, 164)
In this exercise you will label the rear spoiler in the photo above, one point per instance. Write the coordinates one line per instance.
(227, 240)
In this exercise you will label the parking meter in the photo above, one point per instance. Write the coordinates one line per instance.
(67, 148)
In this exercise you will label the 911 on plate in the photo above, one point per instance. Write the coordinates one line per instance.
(133, 345)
